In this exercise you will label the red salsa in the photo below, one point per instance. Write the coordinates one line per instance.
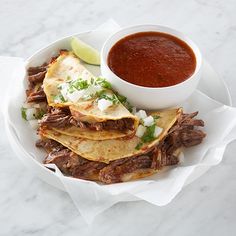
(152, 59)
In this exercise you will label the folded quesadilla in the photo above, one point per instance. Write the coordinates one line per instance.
(112, 149)
(111, 161)
(83, 102)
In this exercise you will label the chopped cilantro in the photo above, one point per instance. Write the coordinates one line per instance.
(139, 145)
(100, 93)
(156, 117)
(103, 83)
(79, 84)
(121, 98)
(128, 106)
(124, 101)
(92, 80)
(111, 98)
(149, 134)
(59, 98)
(23, 113)
(147, 137)
(71, 89)
(59, 86)
(39, 114)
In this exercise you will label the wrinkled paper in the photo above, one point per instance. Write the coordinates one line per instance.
(92, 198)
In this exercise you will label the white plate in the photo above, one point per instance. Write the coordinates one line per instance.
(210, 84)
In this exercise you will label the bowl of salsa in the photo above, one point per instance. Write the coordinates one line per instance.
(154, 66)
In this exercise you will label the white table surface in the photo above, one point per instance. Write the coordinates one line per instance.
(29, 206)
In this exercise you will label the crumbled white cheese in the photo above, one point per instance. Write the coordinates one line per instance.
(141, 114)
(134, 110)
(75, 96)
(180, 157)
(64, 90)
(27, 105)
(30, 113)
(148, 121)
(140, 131)
(103, 104)
(158, 130)
(34, 124)
(92, 90)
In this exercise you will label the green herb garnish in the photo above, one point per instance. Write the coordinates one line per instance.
(124, 101)
(23, 113)
(121, 98)
(128, 106)
(111, 98)
(156, 117)
(92, 80)
(103, 83)
(139, 145)
(147, 137)
(59, 98)
(39, 114)
(79, 84)
(59, 87)
(149, 134)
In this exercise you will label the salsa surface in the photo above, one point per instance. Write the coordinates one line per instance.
(152, 59)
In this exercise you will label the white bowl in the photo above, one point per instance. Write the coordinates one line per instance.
(146, 97)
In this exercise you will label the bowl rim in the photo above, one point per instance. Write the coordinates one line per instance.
(187, 40)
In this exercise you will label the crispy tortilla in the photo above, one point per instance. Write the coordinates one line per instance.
(67, 65)
(94, 135)
(113, 149)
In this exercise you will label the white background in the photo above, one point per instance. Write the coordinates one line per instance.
(29, 206)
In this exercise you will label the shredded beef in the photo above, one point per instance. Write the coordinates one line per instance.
(192, 137)
(35, 70)
(37, 78)
(80, 124)
(36, 96)
(121, 125)
(69, 162)
(35, 91)
(56, 117)
(182, 134)
(64, 159)
(114, 172)
(61, 117)
(49, 145)
(89, 170)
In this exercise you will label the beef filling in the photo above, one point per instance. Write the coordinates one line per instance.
(61, 117)
(35, 91)
(36, 75)
(182, 134)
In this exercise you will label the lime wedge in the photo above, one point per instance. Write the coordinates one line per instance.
(85, 52)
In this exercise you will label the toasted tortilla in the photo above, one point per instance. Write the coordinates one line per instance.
(113, 149)
(68, 65)
(94, 135)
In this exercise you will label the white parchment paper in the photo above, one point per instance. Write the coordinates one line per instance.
(92, 198)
